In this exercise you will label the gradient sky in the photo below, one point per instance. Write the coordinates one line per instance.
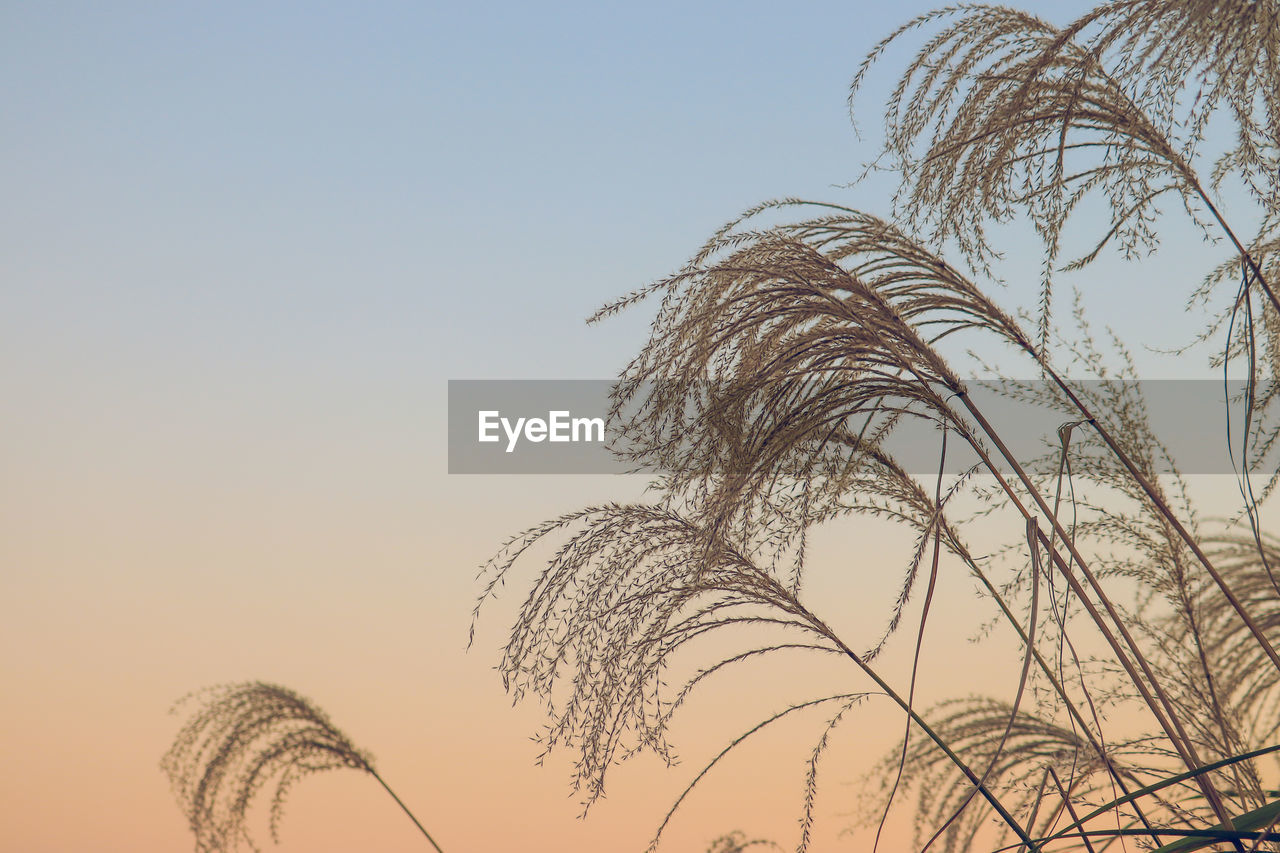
(243, 249)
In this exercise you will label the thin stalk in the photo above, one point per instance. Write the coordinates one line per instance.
(401, 804)
(1022, 683)
(1172, 725)
(1072, 710)
(1043, 664)
(924, 618)
(1160, 785)
(1180, 742)
(1035, 808)
(1244, 253)
(822, 628)
(1066, 801)
(1163, 508)
(1161, 148)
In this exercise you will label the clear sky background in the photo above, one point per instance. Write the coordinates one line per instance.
(242, 249)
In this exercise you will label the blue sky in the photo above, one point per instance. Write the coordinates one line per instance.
(425, 190)
(445, 185)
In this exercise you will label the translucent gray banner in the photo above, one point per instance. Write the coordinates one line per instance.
(559, 426)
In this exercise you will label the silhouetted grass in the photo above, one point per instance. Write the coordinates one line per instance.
(802, 335)
(244, 738)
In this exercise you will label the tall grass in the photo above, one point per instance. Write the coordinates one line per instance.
(243, 738)
(793, 346)
(784, 358)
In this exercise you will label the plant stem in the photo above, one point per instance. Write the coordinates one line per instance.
(401, 804)
(1244, 253)
(1163, 508)
(1172, 726)
(822, 628)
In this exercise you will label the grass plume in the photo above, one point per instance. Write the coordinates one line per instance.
(244, 739)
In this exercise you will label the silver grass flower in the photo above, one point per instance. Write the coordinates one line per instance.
(243, 739)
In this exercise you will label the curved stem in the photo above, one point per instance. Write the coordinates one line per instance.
(1159, 703)
(1171, 724)
(1009, 819)
(1053, 680)
(1231, 235)
(1163, 508)
(967, 558)
(401, 804)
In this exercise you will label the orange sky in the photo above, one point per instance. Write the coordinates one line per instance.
(357, 595)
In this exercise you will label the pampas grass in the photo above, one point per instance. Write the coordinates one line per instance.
(786, 356)
(243, 739)
(792, 347)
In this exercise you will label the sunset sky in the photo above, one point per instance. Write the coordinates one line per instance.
(244, 249)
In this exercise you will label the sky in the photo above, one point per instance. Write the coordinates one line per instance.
(244, 247)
